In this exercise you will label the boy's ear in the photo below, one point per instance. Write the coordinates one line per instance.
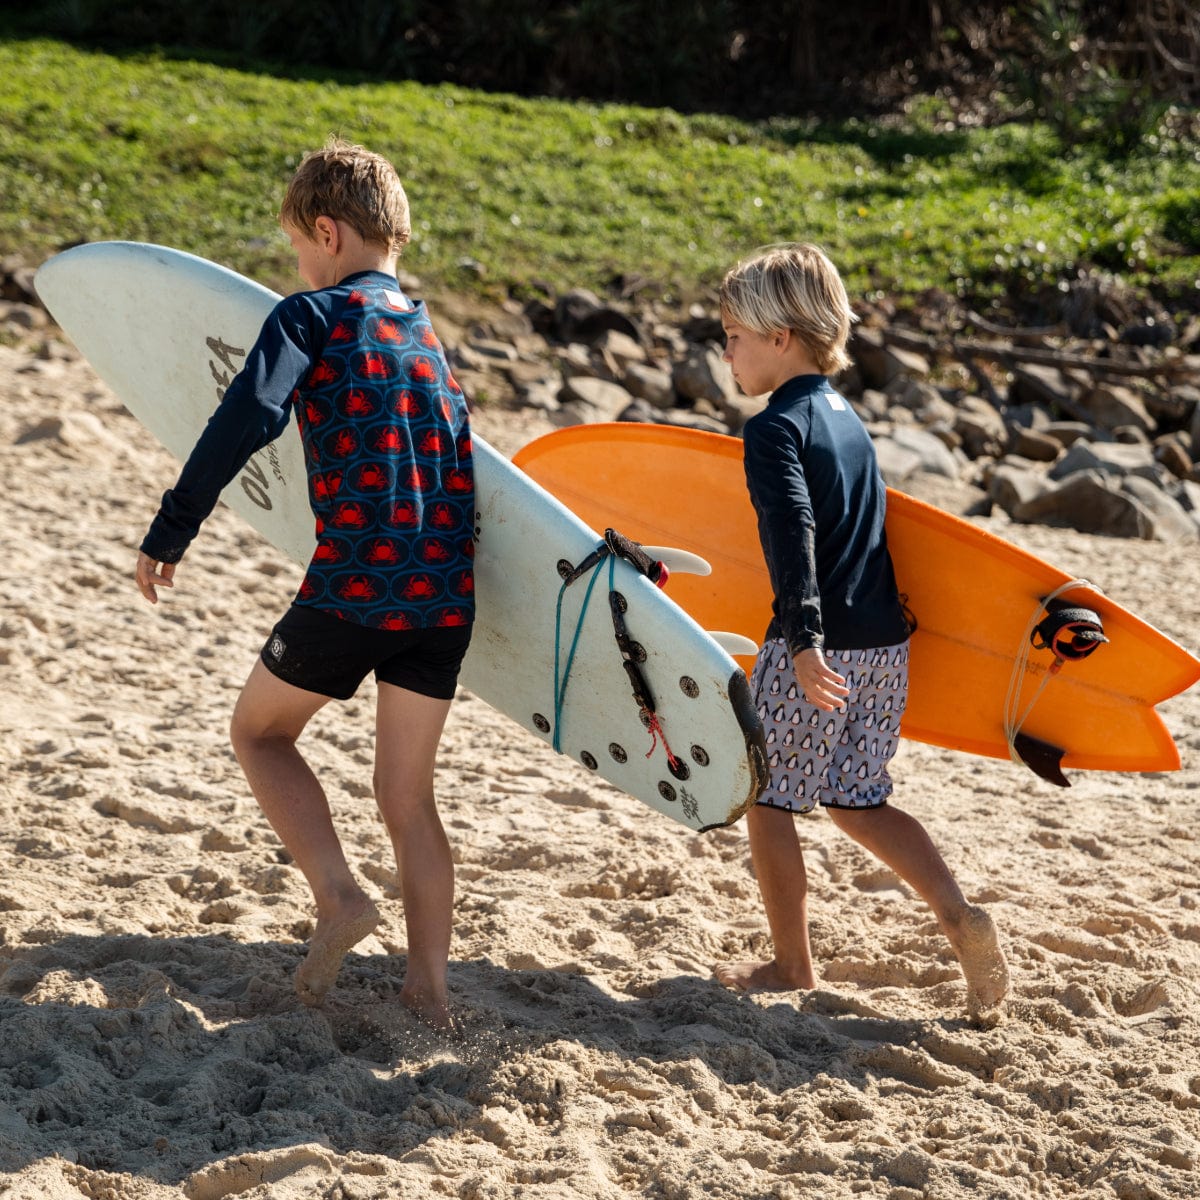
(326, 234)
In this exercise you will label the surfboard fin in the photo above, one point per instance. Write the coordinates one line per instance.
(683, 562)
(1043, 759)
(732, 643)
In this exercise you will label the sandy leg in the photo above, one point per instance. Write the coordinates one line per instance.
(977, 946)
(330, 943)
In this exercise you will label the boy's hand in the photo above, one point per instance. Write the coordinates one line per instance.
(821, 684)
(151, 575)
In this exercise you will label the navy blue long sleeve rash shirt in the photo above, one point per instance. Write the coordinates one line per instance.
(820, 501)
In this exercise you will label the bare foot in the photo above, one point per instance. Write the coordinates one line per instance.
(763, 976)
(434, 1012)
(977, 945)
(330, 943)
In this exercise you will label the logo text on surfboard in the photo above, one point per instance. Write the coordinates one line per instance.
(223, 367)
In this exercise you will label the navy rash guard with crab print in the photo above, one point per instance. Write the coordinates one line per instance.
(387, 445)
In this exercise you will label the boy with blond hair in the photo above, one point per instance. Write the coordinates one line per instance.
(389, 589)
(831, 679)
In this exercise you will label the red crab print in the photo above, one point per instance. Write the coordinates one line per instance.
(357, 403)
(444, 516)
(314, 414)
(373, 478)
(453, 384)
(433, 444)
(396, 621)
(420, 587)
(356, 297)
(326, 486)
(350, 516)
(390, 440)
(433, 551)
(307, 591)
(357, 587)
(374, 366)
(323, 372)
(423, 371)
(404, 515)
(458, 482)
(463, 584)
(389, 331)
(328, 553)
(429, 338)
(452, 616)
(344, 445)
(382, 553)
(407, 405)
(341, 332)
(420, 479)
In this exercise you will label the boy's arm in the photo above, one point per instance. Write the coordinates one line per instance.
(254, 411)
(787, 529)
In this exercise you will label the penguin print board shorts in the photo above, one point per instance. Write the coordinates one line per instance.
(321, 653)
(835, 759)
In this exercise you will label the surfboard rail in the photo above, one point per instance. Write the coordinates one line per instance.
(972, 594)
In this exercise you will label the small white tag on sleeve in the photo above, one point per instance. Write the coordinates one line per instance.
(835, 401)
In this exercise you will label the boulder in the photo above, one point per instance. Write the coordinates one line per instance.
(584, 400)
(1109, 458)
(1111, 406)
(649, 383)
(1092, 503)
(1171, 521)
(1033, 443)
(1012, 487)
(878, 363)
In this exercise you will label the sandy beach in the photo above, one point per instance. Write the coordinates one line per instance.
(152, 1045)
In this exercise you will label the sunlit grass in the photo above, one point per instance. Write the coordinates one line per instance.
(194, 155)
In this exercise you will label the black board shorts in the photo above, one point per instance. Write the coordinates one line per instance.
(321, 653)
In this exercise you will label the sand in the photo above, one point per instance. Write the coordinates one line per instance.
(152, 1044)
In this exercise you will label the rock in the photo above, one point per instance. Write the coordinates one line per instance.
(704, 375)
(1111, 406)
(620, 347)
(1034, 384)
(1034, 444)
(932, 452)
(1091, 503)
(1109, 458)
(649, 383)
(580, 316)
(878, 363)
(585, 400)
(1171, 522)
(981, 428)
(1067, 433)
(1014, 487)
(896, 462)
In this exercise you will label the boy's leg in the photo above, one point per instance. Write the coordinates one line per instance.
(783, 882)
(900, 841)
(408, 729)
(267, 720)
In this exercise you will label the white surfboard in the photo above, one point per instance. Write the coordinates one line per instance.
(167, 331)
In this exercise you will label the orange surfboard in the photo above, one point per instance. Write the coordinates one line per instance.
(973, 595)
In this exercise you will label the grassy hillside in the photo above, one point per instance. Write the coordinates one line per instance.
(194, 155)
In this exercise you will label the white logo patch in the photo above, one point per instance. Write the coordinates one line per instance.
(276, 648)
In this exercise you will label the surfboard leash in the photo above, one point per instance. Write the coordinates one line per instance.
(1071, 633)
(614, 546)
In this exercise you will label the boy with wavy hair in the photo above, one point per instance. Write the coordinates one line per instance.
(831, 679)
(389, 589)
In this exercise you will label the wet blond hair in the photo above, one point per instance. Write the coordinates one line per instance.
(348, 183)
(792, 286)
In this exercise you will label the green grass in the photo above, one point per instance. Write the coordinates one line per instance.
(96, 146)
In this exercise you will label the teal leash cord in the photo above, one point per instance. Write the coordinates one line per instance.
(560, 689)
